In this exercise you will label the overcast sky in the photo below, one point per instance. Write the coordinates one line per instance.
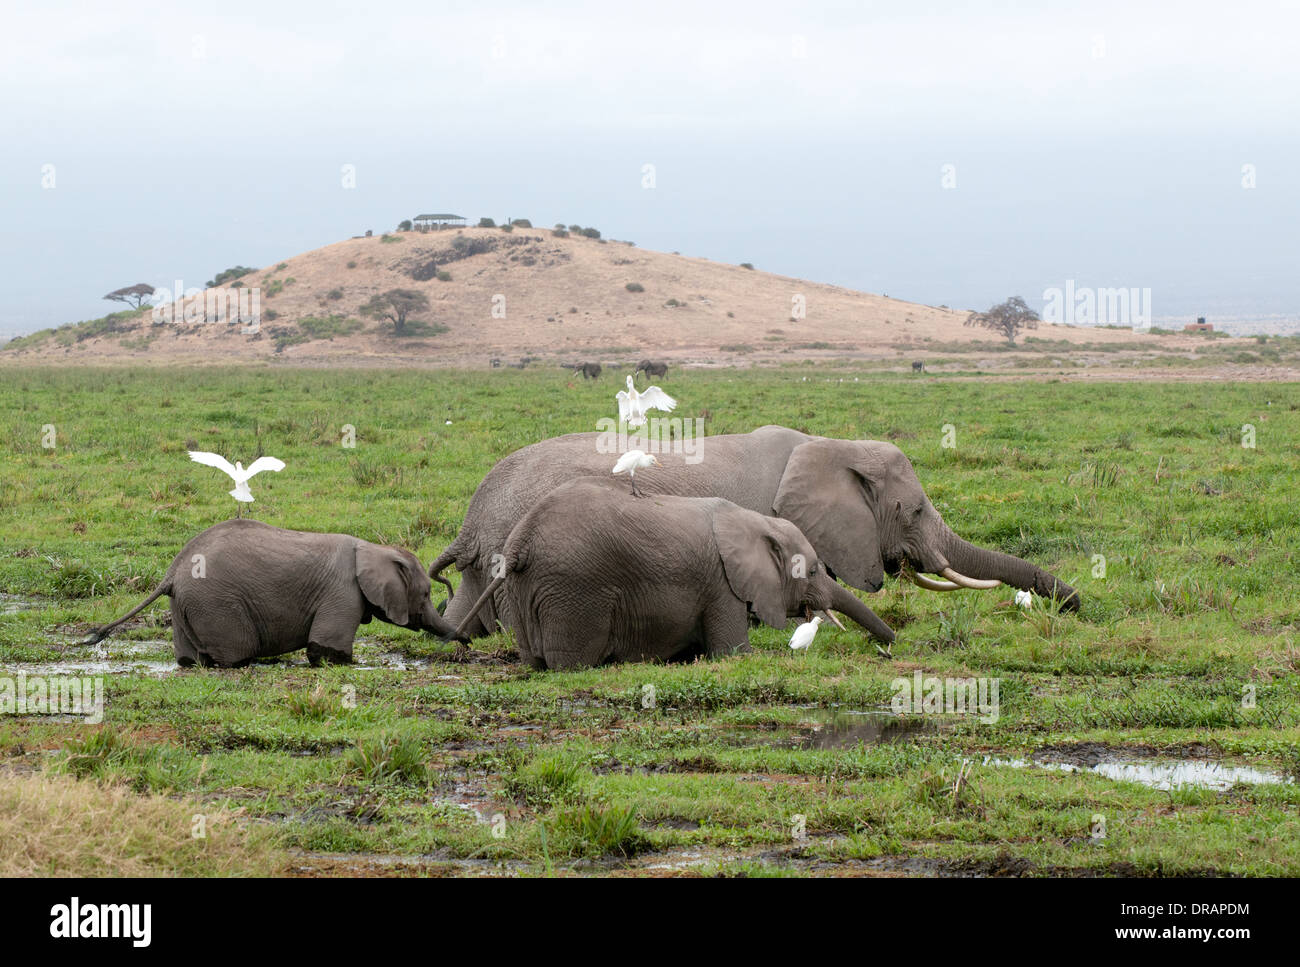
(1104, 143)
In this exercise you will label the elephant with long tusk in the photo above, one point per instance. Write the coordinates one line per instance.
(859, 502)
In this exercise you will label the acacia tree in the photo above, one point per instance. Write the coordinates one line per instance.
(395, 305)
(1007, 318)
(132, 295)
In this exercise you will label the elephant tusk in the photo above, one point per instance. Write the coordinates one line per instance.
(930, 584)
(834, 620)
(975, 584)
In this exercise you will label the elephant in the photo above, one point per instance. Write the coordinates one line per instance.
(651, 368)
(588, 370)
(918, 366)
(243, 589)
(858, 502)
(596, 576)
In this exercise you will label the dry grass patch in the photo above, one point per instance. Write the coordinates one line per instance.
(56, 825)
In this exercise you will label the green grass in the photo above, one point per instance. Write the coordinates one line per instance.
(486, 762)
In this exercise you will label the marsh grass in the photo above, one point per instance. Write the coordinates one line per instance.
(1194, 606)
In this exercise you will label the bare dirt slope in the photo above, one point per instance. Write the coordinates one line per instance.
(559, 299)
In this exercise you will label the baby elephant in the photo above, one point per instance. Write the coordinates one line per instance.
(243, 590)
(590, 575)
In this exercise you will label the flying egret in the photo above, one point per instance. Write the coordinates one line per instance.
(635, 460)
(803, 635)
(632, 406)
(237, 473)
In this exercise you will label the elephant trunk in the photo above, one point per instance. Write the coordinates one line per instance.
(436, 624)
(983, 564)
(847, 603)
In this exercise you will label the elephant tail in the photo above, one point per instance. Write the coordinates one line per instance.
(99, 634)
(482, 600)
(445, 559)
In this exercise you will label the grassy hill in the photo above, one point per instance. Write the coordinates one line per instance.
(539, 295)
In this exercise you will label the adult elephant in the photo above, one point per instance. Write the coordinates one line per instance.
(859, 503)
(586, 586)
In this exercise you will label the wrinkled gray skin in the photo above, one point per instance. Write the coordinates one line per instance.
(588, 371)
(859, 503)
(594, 575)
(267, 591)
(651, 368)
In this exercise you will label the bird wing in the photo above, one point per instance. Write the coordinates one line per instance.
(625, 461)
(624, 405)
(656, 399)
(214, 460)
(263, 463)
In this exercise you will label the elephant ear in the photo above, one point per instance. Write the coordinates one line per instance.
(753, 561)
(828, 492)
(381, 573)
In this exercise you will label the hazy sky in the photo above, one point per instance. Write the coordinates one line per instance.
(1100, 142)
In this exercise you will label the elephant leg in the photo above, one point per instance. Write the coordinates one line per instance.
(471, 587)
(187, 654)
(224, 639)
(726, 629)
(331, 638)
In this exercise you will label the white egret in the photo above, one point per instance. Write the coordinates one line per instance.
(635, 460)
(237, 473)
(803, 635)
(632, 406)
(1025, 599)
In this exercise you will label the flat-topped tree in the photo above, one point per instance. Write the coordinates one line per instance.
(132, 295)
(395, 305)
(1007, 318)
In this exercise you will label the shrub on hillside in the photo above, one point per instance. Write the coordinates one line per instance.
(634, 287)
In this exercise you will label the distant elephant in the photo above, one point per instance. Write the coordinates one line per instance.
(858, 502)
(918, 367)
(597, 576)
(243, 590)
(651, 368)
(588, 371)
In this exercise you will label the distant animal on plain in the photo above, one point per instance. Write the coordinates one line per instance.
(243, 590)
(496, 363)
(918, 367)
(588, 370)
(651, 368)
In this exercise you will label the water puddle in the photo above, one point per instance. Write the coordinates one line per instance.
(1174, 774)
(95, 667)
(841, 728)
(12, 604)
(832, 728)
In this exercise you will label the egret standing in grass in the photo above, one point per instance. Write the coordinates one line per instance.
(803, 635)
(635, 460)
(632, 406)
(237, 473)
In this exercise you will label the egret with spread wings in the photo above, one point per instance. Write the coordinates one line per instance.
(632, 406)
(237, 473)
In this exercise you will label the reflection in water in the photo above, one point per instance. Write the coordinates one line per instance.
(839, 728)
(1174, 774)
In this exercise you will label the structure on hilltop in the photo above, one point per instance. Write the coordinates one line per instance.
(1200, 325)
(432, 223)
